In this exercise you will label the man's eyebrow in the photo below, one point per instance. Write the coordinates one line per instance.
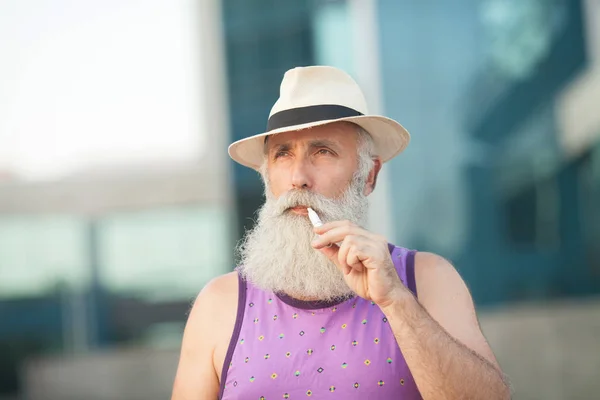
(281, 147)
(286, 146)
(323, 143)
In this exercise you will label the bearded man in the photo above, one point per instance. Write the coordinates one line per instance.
(332, 311)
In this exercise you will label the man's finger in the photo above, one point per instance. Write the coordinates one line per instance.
(336, 235)
(337, 232)
(332, 252)
(353, 260)
(342, 256)
(334, 224)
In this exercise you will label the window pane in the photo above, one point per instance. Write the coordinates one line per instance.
(39, 253)
(165, 253)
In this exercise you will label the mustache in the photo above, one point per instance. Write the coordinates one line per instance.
(299, 197)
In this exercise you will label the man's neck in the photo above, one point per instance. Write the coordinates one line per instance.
(300, 297)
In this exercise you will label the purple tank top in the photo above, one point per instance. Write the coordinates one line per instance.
(291, 349)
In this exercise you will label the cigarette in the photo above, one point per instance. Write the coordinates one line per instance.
(316, 221)
(314, 218)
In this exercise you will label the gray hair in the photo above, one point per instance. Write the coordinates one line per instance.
(366, 150)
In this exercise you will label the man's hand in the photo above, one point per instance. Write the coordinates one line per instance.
(365, 260)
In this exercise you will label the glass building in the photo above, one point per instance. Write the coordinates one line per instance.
(263, 39)
(487, 181)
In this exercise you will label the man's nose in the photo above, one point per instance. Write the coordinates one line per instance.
(301, 178)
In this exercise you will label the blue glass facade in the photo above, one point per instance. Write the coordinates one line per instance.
(263, 39)
(483, 182)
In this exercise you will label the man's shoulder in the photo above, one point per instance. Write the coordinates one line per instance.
(206, 336)
(217, 302)
(218, 296)
(428, 260)
(427, 265)
(432, 265)
(220, 292)
(435, 274)
(423, 259)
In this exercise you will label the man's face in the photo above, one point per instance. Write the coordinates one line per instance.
(317, 168)
(321, 160)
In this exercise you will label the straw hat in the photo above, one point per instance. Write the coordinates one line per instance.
(319, 95)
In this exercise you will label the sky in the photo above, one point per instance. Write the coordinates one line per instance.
(90, 84)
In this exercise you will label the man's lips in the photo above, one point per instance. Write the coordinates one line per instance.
(300, 210)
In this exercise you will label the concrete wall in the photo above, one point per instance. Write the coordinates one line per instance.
(124, 375)
(549, 351)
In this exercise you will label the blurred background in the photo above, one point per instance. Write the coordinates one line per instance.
(118, 200)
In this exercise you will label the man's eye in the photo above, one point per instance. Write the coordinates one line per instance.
(324, 151)
(281, 154)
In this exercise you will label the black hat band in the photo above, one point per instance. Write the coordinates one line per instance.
(305, 115)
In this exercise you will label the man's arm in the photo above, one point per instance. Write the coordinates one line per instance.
(440, 337)
(208, 323)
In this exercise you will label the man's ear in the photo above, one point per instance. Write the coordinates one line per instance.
(372, 178)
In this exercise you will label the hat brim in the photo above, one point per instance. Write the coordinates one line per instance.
(389, 137)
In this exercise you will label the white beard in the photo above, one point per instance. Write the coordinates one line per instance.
(276, 255)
